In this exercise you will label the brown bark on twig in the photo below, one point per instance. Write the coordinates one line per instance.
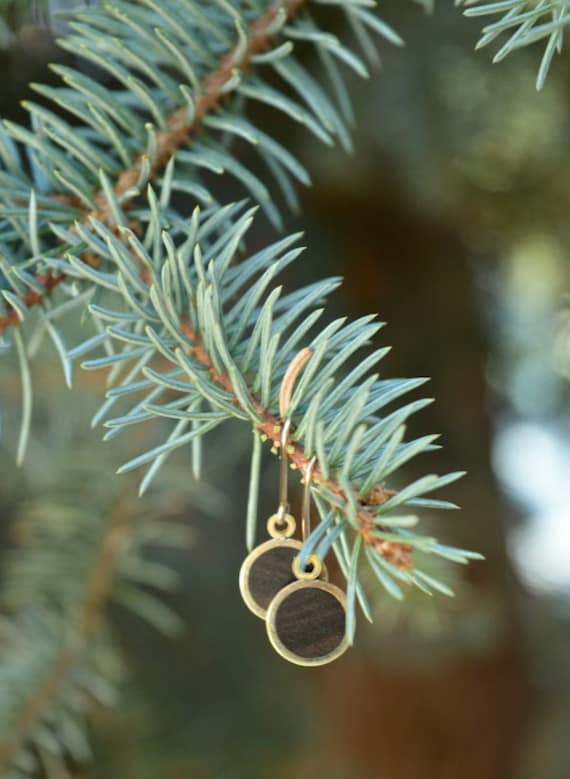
(271, 426)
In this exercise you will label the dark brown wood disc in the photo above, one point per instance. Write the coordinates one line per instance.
(267, 570)
(306, 622)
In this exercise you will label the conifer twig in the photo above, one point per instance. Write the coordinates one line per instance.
(82, 625)
(395, 552)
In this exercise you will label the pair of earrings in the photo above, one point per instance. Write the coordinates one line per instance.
(305, 614)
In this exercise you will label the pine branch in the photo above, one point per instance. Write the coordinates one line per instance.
(232, 342)
(82, 626)
(215, 89)
(175, 313)
(113, 202)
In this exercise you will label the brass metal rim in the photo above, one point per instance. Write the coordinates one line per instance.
(316, 566)
(274, 638)
(281, 527)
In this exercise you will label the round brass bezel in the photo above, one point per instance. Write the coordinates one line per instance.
(273, 635)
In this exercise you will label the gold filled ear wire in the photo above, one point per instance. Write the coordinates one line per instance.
(313, 563)
(282, 522)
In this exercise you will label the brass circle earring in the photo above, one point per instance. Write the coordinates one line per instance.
(269, 567)
(306, 621)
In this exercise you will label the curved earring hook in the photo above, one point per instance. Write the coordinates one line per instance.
(287, 385)
(306, 518)
(283, 509)
(314, 565)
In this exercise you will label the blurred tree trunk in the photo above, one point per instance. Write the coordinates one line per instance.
(465, 715)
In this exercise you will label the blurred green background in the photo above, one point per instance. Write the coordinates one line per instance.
(450, 220)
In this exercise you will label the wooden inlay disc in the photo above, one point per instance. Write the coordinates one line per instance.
(306, 622)
(266, 571)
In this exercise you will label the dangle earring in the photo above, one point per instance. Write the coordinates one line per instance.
(269, 567)
(306, 621)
